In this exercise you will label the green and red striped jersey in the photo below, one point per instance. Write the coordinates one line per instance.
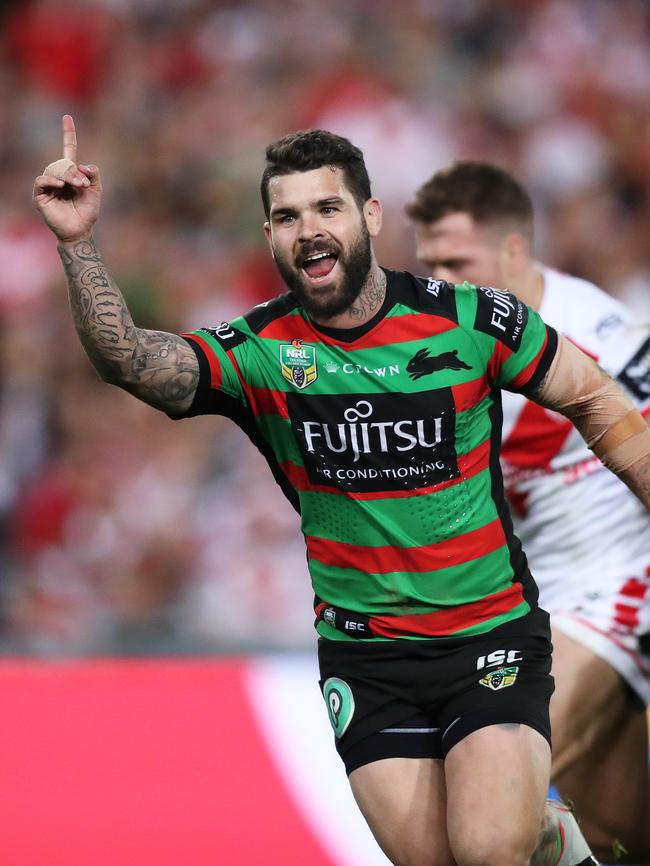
(386, 439)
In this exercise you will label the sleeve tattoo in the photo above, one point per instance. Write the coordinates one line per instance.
(157, 367)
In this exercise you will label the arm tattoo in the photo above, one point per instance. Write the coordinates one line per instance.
(157, 367)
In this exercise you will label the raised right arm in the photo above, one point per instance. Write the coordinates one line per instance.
(155, 366)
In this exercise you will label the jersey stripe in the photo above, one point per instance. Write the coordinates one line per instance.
(500, 355)
(528, 373)
(442, 622)
(216, 376)
(468, 394)
(393, 329)
(389, 558)
(268, 401)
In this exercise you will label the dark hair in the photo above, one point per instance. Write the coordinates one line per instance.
(313, 148)
(484, 191)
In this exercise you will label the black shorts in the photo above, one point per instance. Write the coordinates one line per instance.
(418, 698)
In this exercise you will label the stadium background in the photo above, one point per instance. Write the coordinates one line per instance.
(157, 674)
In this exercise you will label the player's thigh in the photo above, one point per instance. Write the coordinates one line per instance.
(589, 703)
(404, 802)
(609, 787)
(497, 782)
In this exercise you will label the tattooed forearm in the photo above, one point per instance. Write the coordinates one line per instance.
(370, 299)
(99, 312)
(157, 367)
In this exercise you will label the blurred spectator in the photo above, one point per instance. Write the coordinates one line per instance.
(169, 539)
(61, 48)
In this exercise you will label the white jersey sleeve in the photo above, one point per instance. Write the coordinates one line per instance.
(576, 520)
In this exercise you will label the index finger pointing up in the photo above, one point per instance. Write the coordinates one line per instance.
(69, 138)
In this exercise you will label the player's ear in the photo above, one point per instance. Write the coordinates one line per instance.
(372, 212)
(267, 233)
(514, 254)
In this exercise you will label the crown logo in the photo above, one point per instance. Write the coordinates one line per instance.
(331, 366)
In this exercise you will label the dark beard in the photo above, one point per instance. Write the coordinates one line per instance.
(355, 267)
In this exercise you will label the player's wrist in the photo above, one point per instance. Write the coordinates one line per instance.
(70, 240)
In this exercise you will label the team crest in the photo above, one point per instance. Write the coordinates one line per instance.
(298, 363)
(500, 678)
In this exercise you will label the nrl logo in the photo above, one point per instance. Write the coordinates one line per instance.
(500, 678)
(298, 363)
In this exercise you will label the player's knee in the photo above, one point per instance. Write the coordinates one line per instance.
(411, 856)
(423, 853)
(497, 856)
(493, 851)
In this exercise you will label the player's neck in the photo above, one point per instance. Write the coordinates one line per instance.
(366, 305)
(529, 286)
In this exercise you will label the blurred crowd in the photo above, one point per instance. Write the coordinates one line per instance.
(121, 531)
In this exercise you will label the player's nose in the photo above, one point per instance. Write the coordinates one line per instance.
(309, 228)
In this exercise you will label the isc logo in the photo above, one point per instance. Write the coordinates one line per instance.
(351, 625)
(434, 286)
(498, 657)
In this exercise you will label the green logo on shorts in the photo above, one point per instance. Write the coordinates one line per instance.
(340, 704)
(500, 678)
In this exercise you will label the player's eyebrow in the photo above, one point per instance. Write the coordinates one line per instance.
(283, 211)
(452, 262)
(315, 205)
(324, 202)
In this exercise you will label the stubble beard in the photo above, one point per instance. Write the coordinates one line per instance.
(355, 267)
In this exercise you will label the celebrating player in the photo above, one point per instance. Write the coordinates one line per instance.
(586, 537)
(374, 397)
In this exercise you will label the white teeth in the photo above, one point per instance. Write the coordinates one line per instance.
(316, 257)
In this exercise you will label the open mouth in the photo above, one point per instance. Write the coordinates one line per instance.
(318, 266)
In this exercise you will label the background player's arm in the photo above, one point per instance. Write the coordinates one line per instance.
(157, 367)
(605, 417)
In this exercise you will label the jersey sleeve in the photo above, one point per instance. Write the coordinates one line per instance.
(221, 352)
(517, 344)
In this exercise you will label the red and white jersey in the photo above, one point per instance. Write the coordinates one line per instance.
(582, 529)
